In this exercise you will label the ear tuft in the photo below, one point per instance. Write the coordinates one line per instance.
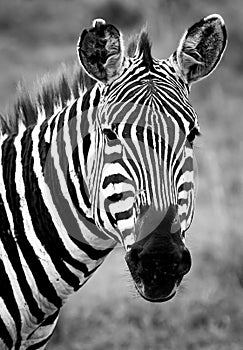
(201, 48)
(98, 22)
(100, 51)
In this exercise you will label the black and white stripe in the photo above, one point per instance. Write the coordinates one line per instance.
(69, 188)
(150, 117)
(81, 164)
(48, 250)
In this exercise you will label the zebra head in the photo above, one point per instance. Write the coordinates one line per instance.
(144, 192)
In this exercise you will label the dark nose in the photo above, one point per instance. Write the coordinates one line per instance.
(176, 265)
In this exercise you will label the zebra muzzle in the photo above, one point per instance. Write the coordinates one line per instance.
(158, 261)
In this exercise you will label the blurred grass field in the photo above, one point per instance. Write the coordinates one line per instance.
(35, 38)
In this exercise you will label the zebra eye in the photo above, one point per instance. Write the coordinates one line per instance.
(192, 135)
(110, 135)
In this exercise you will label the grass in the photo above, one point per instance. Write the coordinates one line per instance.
(35, 37)
(202, 316)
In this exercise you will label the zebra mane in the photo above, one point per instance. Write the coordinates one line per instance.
(142, 43)
(56, 90)
(50, 92)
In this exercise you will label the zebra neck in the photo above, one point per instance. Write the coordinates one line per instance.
(64, 173)
(39, 216)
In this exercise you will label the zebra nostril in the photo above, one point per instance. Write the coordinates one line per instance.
(185, 263)
(134, 253)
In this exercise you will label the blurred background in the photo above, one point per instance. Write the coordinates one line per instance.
(35, 38)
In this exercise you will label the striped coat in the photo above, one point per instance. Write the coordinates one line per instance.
(100, 160)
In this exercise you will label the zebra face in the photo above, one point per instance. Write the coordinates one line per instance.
(146, 190)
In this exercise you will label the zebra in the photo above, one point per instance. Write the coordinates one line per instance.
(99, 159)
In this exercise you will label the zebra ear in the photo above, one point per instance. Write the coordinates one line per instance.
(201, 48)
(100, 51)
